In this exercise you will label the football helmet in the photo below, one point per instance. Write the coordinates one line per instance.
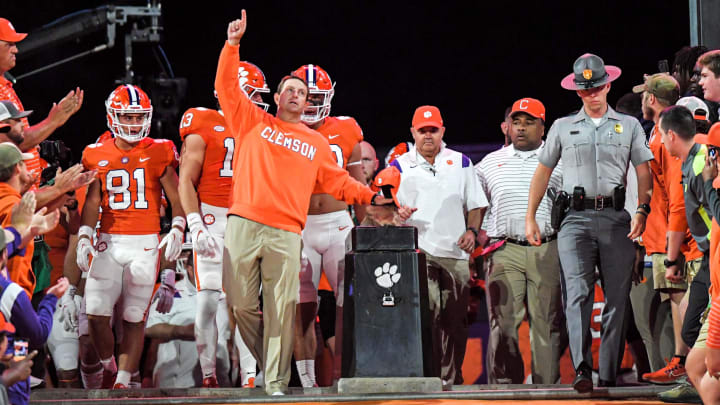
(399, 149)
(321, 91)
(387, 181)
(253, 83)
(128, 99)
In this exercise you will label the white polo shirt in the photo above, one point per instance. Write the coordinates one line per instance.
(505, 176)
(442, 194)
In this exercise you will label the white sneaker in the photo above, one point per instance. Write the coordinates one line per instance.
(260, 379)
(277, 393)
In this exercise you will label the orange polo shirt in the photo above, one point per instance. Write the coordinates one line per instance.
(19, 267)
(278, 164)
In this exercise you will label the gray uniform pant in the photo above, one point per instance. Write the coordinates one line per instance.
(590, 239)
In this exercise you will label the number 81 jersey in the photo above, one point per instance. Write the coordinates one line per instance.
(215, 182)
(130, 183)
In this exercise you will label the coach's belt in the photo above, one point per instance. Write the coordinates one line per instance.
(524, 242)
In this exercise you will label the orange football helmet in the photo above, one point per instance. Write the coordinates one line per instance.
(253, 83)
(128, 99)
(399, 149)
(387, 181)
(321, 91)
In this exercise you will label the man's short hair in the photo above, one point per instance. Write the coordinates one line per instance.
(290, 77)
(680, 120)
(7, 173)
(711, 60)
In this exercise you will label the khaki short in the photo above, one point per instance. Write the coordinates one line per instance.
(700, 342)
(662, 284)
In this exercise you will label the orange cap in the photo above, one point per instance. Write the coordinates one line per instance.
(7, 32)
(388, 180)
(712, 138)
(427, 116)
(529, 106)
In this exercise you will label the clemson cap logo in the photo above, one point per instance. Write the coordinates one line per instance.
(587, 74)
(427, 114)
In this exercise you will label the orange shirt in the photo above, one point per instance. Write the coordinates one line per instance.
(654, 237)
(216, 178)
(19, 267)
(278, 163)
(342, 133)
(130, 183)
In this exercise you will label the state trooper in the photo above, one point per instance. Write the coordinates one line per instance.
(596, 146)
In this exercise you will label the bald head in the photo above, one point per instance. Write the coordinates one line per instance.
(369, 161)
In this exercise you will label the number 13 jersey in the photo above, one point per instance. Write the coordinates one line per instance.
(130, 183)
(215, 182)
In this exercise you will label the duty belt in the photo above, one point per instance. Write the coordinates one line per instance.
(598, 203)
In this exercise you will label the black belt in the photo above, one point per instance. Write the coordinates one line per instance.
(526, 243)
(598, 203)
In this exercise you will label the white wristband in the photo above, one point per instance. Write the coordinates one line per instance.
(86, 231)
(193, 220)
(179, 222)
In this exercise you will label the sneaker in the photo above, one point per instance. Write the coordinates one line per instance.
(210, 382)
(250, 383)
(683, 393)
(672, 373)
(275, 393)
(119, 386)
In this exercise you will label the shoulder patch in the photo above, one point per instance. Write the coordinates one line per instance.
(466, 162)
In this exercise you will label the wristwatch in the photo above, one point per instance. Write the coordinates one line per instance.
(645, 207)
(668, 263)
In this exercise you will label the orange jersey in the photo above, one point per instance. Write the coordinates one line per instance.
(278, 163)
(654, 237)
(216, 178)
(130, 183)
(342, 133)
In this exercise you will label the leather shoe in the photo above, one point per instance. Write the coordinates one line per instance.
(606, 383)
(583, 381)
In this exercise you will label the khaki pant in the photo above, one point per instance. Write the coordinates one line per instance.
(518, 276)
(256, 253)
(449, 293)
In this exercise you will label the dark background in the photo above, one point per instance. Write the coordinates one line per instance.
(471, 59)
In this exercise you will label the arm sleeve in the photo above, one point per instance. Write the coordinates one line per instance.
(639, 150)
(677, 219)
(239, 111)
(474, 194)
(35, 326)
(337, 182)
(550, 153)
